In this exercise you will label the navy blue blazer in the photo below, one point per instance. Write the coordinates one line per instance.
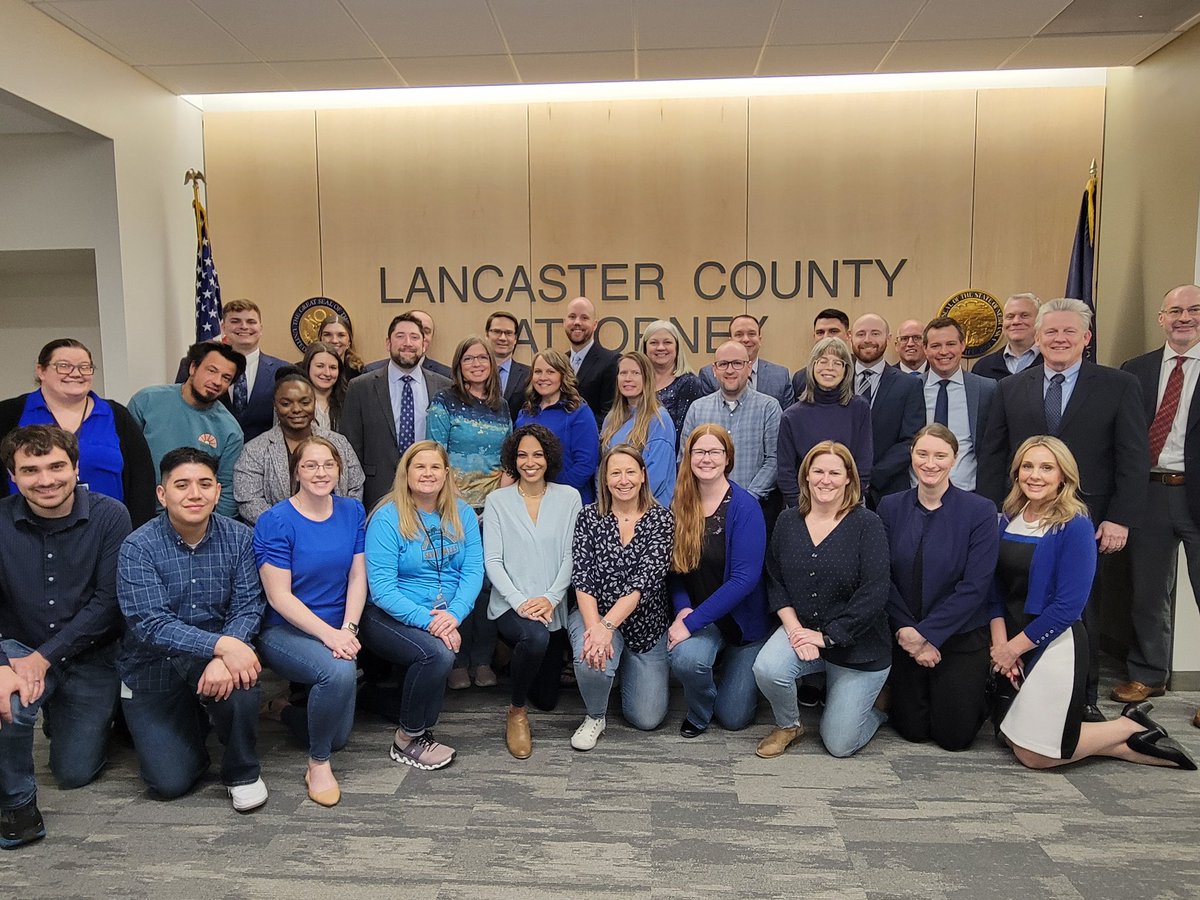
(962, 545)
(743, 595)
(993, 365)
(259, 415)
(897, 413)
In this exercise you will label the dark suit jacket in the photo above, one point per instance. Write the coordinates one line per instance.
(514, 393)
(897, 413)
(1147, 369)
(993, 366)
(427, 365)
(1103, 425)
(368, 425)
(597, 379)
(259, 415)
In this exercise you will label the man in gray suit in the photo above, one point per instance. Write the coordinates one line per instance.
(957, 399)
(384, 411)
(501, 331)
(765, 377)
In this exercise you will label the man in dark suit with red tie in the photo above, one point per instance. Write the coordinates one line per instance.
(1097, 412)
(1172, 514)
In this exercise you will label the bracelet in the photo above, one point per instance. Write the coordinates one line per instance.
(351, 627)
(607, 624)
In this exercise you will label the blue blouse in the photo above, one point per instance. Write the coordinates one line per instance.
(580, 440)
(101, 465)
(659, 454)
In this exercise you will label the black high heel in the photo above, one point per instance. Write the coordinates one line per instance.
(1155, 742)
(1140, 713)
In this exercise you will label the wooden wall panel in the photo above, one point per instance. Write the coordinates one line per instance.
(1034, 148)
(421, 188)
(865, 176)
(650, 182)
(262, 211)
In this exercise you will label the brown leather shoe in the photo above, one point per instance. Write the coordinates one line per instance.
(1136, 692)
(775, 743)
(516, 733)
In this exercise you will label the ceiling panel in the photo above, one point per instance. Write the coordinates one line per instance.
(338, 74)
(556, 26)
(703, 23)
(432, 71)
(559, 68)
(156, 32)
(222, 78)
(315, 29)
(1083, 50)
(1097, 16)
(428, 27)
(86, 33)
(822, 59)
(943, 20)
(842, 21)
(949, 56)
(722, 62)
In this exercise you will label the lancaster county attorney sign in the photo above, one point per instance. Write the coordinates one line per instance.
(605, 283)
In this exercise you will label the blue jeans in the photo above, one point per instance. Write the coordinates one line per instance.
(427, 663)
(169, 728)
(644, 679)
(325, 724)
(850, 719)
(78, 701)
(735, 700)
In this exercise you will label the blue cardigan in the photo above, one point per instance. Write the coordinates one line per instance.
(958, 567)
(1060, 581)
(743, 594)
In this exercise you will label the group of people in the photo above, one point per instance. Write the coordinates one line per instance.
(738, 528)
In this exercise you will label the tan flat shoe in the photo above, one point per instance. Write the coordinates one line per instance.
(775, 743)
(516, 733)
(327, 797)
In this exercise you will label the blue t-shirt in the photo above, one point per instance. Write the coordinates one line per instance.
(318, 554)
(101, 465)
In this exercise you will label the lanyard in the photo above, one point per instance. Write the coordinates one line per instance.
(440, 603)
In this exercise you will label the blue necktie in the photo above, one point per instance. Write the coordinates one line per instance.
(240, 397)
(941, 407)
(864, 385)
(1054, 403)
(406, 428)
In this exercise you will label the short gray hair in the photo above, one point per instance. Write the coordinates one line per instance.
(1065, 304)
(1027, 297)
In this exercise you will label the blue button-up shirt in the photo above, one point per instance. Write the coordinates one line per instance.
(421, 397)
(178, 600)
(962, 476)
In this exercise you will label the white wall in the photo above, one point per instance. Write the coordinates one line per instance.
(146, 298)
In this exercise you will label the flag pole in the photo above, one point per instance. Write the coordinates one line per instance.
(208, 288)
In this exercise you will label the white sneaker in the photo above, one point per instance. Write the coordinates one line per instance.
(246, 797)
(585, 735)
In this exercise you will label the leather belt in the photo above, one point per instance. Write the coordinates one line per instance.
(1170, 478)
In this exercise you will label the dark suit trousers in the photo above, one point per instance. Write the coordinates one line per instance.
(1154, 554)
(947, 703)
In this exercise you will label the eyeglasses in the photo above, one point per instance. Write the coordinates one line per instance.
(474, 359)
(707, 453)
(1174, 312)
(311, 467)
(499, 332)
(909, 339)
(735, 364)
(66, 368)
(830, 361)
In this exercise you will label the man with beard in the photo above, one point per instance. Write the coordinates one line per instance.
(384, 410)
(59, 622)
(897, 410)
(765, 377)
(595, 367)
(189, 414)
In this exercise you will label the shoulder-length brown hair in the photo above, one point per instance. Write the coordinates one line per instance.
(604, 495)
(646, 410)
(685, 505)
(568, 389)
(406, 507)
(310, 441)
(853, 487)
(836, 347)
(491, 388)
(1067, 504)
(337, 394)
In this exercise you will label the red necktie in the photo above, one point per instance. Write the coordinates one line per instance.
(1165, 417)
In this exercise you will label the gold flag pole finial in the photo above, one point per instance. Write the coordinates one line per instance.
(194, 177)
(1092, 170)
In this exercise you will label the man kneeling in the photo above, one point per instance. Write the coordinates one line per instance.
(189, 589)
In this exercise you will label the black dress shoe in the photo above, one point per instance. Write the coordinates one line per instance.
(810, 696)
(1140, 713)
(22, 825)
(690, 729)
(1091, 713)
(1155, 743)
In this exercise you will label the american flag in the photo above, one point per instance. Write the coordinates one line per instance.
(208, 289)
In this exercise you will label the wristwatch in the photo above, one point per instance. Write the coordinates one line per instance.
(607, 624)
(352, 628)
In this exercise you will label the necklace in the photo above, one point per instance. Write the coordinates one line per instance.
(531, 496)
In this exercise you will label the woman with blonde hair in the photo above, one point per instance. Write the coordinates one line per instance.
(637, 419)
(552, 400)
(675, 384)
(828, 581)
(1044, 577)
(425, 569)
(716, 586)
(827, 409)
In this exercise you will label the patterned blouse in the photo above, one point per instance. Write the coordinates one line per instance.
(609, 571)
(677, 398)
(472, 434)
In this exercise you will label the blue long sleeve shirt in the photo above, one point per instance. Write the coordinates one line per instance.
(580, 439)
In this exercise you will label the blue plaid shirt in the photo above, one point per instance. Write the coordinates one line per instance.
(178, 601)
